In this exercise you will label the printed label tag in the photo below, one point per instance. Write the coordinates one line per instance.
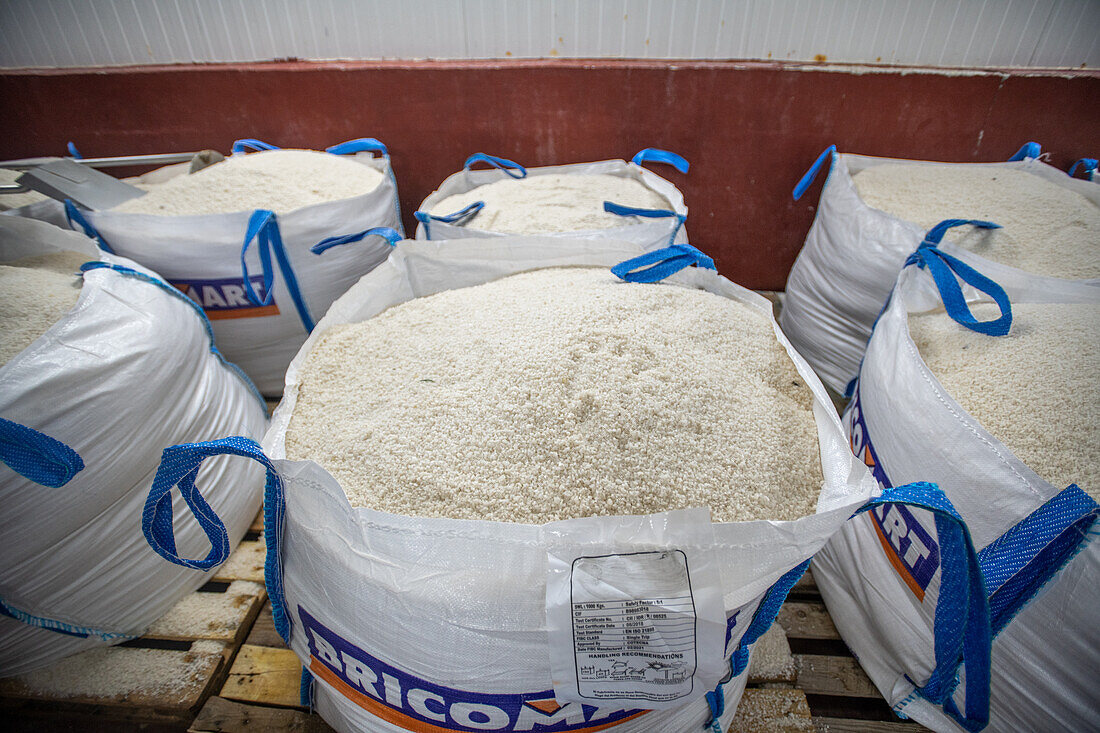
(635, 610)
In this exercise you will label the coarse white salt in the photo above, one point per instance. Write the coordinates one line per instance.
(1036, 389)
(125, 674)
(208, 615)
(553, 203)
(773, 710)
(1046, 228)
(277, 180)
(771, 656)
(561, 393)
(35, 292)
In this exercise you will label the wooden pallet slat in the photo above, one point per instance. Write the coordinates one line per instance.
(807, 620)
(772, 710)
(826, 675)
(263, 631)
(220, 715)
(855, 725)
(212, 615)
(162, 678)
(267, 675)
(246, 562)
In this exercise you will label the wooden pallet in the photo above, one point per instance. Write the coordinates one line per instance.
(807, 681)
(841, 698)
(158, 682)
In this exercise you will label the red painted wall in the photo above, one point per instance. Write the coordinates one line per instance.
(749, 129)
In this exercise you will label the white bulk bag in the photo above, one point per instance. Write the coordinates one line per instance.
(654, 228)
(853, 254)
(85, 412)
(263, 279)
(1038, 554)
(408, 623)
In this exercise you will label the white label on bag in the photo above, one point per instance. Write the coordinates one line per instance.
(635, 610)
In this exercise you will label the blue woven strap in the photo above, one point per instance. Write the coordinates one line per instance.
(656, 155)
(37, 456)
(359, 145)
(1029, 150)
(657, 265)
(947, 271)
(962, 633)
(809, 176)
(620, 210)
(250, 143)
(390, 235)
(263, 228)
(76, 217)
(305, 689)
(458, 218)
(765, 615)
(71, 147)
(179, 466)
(716, 700)
(762, 619)
(1022, 560)
(508, 166)
(1088, 166)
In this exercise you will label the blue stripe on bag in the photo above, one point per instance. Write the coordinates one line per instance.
(1088, 165)
(620, 210)
(1029, 150)
(263, 226)
(962, 619)
(175, 293)
(37, 456)
(251, 143)
(1019, 562)
(359, 145)
(947, 271)
(662, 263)
(809, 176)
(458, 218)
(390, 235)
(656, 155)
(60, 627)
(74, 216)
(508, 166)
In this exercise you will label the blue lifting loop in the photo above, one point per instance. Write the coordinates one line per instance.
(37, 456)
(1029, 150)
(250, 143)
(809, 176)
(458, 218)
(359, 145)
(508, 166)
(655, 266)
(390, 235)
(947, 271)
(1087, 165)
(656, 155)
(962, 633)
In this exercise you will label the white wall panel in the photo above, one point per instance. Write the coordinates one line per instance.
(952, 33)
